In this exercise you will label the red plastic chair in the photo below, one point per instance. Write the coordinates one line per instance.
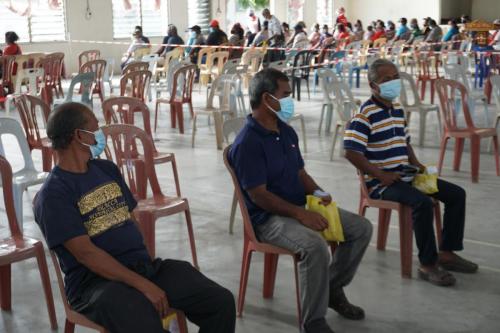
(136, 66)
(448, 91)
(60, 71)
(125, 108)
(427, 72)
(385, 207)
(251, 244)
(7, 64)
(140, 172)
(18, 248)
(135, 84)
(97, 67)
(181, 94)
(87, 56)
(50, 78)
(27, 106)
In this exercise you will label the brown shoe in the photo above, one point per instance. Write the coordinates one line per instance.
(459, 264)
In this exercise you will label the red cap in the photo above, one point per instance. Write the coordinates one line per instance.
(214, 23)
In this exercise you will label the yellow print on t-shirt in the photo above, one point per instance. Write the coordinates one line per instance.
(105, 207)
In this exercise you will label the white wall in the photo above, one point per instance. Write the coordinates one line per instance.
(488, 10)
(99, 28)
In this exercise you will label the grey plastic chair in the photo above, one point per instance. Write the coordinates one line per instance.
(109, 71)
(232, 127)
(328, 79)
(410, 87)
(87, 81)
(28, 175)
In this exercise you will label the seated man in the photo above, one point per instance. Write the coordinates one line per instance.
(270, 171)
(377, 144)
(85, 211)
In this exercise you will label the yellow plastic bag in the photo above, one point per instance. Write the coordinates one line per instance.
(334, 232)
(426, 182)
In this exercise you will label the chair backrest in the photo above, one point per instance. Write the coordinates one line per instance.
(247, 224)
(86, 81)
(109, 70)
(456, 72)
(254, 59)
(136, 66)
(408, 89)
(182, 87)
(449, 92)
(13, 127)
(59, 58)
(231, 65)
(279, 65)
(27, 106)
(303, 60)
(34, 76)
(141, 52)
(152, 60)
(224, 86)
(353, 48)
(125, 139)
(95, 66)
(346, 104)
(135, 84)
(6, 171)
(205, 52)
(88, 55)
(7, 62)
(328, 80)
(232, 126)
(218, 59)
(495, 85)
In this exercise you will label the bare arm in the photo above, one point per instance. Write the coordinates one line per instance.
(413, 158)
(277, 206)
(101, 263)
(309, 184)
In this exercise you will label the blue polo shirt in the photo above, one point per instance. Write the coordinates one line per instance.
(263, 157)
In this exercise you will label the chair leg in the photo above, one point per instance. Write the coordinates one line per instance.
(384, 219)
(173, 118)
(157, 108)
(233, 213)
(406, 241)
(245, 268)
(321, 118)
(334, 141)
(475, 148)
(422, 121)
(44, 275)
(180, 116)
(308, 91)
(147, 226)
(423, 84)
(69, 327)
(17, 193)
(297, 290)
(5, 288)
(442, 151)
(192, 242)
(495, 151)
(459, 148)
(181, 321)
(298, 88)
(270, 267)
(176, 177)
(329, 115)
(193, 130)
(433, 90)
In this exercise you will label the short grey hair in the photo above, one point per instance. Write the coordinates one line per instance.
(374, 68)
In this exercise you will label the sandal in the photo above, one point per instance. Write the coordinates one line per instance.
(437, 276)
(459, 264)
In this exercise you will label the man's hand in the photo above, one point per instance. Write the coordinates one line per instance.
(388, 178)
(312, 220)
(156, 296)
(326, 200)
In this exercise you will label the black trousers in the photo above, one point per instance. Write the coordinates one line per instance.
(123, 309)
(452, 196)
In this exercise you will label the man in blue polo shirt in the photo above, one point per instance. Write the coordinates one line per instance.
(270, 170)
(377, 143)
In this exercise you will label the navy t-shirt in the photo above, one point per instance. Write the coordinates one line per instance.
(96, 203)
(263, 157)
(175, 40)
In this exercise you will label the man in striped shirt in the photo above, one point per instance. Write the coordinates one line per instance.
(377, 143)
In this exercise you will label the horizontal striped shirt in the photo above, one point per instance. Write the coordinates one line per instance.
(380, 134)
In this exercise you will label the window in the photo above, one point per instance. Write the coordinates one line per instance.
(154, 21)
(44, 24)
(324, 12)
(295, 11)
(199, 13)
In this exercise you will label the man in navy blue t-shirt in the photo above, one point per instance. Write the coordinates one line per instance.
(270, 170)
(85, 211)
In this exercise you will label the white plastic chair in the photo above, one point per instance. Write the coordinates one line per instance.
(232, 127)
(152, 60)
(31, 75)
(328, 79)
(109, 71)
(345, 107)
(28, 175)
(409, 89)
(457, 72)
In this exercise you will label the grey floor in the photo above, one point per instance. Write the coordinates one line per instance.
(392, 304)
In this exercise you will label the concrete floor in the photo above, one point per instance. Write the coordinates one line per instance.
(392, 304)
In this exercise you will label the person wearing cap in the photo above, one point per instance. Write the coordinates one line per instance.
(495, 36)
(216, 35)
(195, 38)
(253, 25)
(172, 38)
(403, 32)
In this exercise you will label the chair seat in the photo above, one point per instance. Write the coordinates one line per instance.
(29, 177)
(210, 111)
(161, 205)
(17, 249)
(466, 133)
(159, 157)
(421, 107)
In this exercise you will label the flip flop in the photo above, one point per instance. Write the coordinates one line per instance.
(437, 276)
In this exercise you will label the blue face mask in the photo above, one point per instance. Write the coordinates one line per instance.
(97, 148)
(212, 29)
(287, 108)
(390, 90)
(192, 34)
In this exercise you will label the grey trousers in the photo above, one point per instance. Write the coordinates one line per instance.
(318, 273)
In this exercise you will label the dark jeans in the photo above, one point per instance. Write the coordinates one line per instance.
(452, 196)
(123, 309)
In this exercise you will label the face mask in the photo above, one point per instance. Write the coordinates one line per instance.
(212, 29)
(192, 34)
(97, 148)
(414, 26)
(390, 90)
(287, 108)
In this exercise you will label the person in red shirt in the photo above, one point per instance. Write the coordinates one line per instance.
(379, 32)
(12, 48)
(341, 16)
(343, 33)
